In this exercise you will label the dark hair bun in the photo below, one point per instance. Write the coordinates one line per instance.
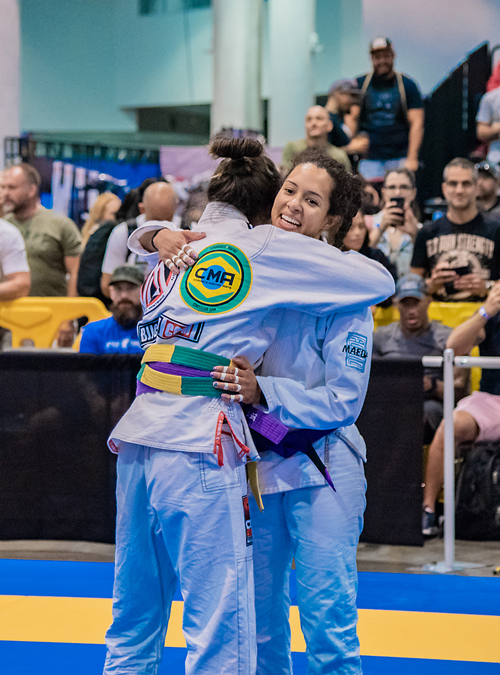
(236, 148)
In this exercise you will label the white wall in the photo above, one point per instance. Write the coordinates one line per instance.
(157, 64)
(84, 61)
(68, 66)
(432, 36)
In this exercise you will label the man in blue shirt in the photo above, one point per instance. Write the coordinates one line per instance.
(118, 333)
(391, 113)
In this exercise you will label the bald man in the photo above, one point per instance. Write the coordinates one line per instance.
(318, 125)
(158, 203)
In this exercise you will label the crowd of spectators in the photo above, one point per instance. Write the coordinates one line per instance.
(372, 124)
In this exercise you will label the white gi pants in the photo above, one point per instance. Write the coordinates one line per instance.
(320, 529)
(181, 519)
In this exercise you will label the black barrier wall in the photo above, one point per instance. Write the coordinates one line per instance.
(391, 424)
(57, 476)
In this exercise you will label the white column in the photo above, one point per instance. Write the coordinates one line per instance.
(9, 72)
(291, 35)
(354, 52)
(237, 47)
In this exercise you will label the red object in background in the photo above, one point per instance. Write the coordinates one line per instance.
(494, 80)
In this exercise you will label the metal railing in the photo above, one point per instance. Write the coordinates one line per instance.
(450, 360)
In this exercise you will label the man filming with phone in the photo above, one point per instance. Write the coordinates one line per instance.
(459, 253)
(395, 227)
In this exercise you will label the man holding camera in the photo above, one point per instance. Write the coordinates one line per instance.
(459, 253)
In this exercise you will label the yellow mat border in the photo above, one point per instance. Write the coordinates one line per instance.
(420, 635)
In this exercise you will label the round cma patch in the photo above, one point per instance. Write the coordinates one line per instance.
(219, 281)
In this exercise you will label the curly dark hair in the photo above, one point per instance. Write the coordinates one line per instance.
(346, 193)
(246, 178)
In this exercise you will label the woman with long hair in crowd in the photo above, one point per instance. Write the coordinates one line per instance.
(103, 209)
(309, 380)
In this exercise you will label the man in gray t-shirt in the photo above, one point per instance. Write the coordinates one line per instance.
(488, 124)
(415, 335)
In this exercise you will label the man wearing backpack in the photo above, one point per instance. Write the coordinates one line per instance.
(476, 417)
(391, 113)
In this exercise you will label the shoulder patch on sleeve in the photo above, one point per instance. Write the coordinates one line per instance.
(220, 280)
(355, 350)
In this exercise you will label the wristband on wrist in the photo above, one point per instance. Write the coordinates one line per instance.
(482, 312)
(153, 239)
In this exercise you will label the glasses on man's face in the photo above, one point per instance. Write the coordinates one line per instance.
(403, 188)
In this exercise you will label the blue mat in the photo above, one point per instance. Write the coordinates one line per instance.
(410, 592)
(34, 658)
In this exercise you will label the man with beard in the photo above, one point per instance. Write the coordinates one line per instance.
(52, 240)
(391, 113)
(118, 333)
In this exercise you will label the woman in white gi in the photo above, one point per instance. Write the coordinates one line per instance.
(181, 515)
(314, 375)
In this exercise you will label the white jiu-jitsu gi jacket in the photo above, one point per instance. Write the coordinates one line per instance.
(230, 303)
(312, 378)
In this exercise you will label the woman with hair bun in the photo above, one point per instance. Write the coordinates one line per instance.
(182, 510)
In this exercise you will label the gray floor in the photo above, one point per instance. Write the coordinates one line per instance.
(409, 559)
(371, 557)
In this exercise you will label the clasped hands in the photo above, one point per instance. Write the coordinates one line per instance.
(238, 382)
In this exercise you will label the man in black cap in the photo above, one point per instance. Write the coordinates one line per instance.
(118, 333)
(487, 198)
(391, 113)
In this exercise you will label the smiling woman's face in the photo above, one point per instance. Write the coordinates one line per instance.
(303, 202)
